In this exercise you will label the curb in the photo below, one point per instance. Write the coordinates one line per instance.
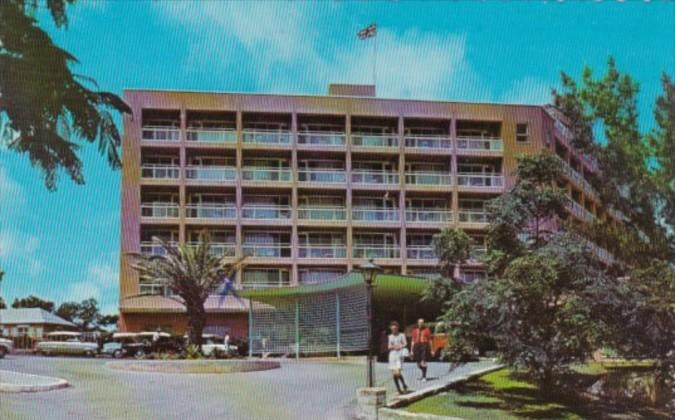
(404, 400)
(57, 383)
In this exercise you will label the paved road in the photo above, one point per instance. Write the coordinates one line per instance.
(302, 389)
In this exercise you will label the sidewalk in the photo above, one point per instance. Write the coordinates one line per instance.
(11, 381)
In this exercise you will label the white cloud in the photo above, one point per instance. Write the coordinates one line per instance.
(100, 282)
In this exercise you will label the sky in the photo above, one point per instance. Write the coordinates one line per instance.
(64, 245)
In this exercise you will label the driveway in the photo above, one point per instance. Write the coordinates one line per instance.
(305, 389)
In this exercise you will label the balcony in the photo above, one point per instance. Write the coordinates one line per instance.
(420, 252)
(321, 139)
(428, 178)
(374, 177)
(324, 176)
(151, 248)
(156, 171)
(322, 213)
(211, 211)
(269, 212)
(479, 144)
(160, 134)
(263, 250)
(472, 180)
(266, 174)
(211, 173)
(217, 249)
(428, 216)
(259, 278)
(267, 137)
(160, 210)
(376, 141)
(153, 289)
(212, 136)
(575, 177)
(477, 252)
(580, 212)
(364, 214)
(431, 143)
(322, 251)
(473, 216)
(376, 251)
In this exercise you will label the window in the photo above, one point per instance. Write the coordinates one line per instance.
(522, 133)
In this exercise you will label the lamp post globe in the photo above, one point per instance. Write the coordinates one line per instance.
(369, 270)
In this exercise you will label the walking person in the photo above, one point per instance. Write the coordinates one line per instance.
(420, 347)
(397, 349)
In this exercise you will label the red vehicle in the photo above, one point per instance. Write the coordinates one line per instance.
(439, 338)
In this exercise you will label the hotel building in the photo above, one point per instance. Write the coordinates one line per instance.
(310, 187)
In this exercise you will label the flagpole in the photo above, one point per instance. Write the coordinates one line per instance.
(375, 61)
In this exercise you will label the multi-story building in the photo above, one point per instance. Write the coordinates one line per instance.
(310, 187)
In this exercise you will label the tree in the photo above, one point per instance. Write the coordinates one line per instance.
(33, 302)
(68, 311)
(538, 305)
(192, 272)
(46, 108)
(85, 315)
(3, 305)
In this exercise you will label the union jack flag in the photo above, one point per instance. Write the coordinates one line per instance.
(368, 32)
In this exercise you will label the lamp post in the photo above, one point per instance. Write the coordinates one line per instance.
(370, 271)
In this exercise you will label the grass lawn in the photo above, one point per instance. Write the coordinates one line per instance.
(507, 395)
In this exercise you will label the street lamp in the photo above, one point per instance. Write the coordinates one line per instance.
(370, 271)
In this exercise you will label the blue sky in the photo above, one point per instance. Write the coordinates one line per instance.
(64, 245)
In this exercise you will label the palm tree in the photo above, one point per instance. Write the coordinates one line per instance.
(46, 109)
(192, 273)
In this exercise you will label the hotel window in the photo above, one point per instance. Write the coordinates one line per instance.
(522, 133)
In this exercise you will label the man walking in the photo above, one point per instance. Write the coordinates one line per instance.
(421, 347)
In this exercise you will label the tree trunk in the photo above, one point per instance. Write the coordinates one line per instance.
(196, 321)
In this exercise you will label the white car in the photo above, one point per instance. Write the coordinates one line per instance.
(212, 343)
(66, 342)
(6, 346)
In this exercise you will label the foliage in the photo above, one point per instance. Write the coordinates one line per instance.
(33, 302)
(86, 315)
(192, 273)
(45, 113)
(193, 352)
(452, 246)
(2, 303)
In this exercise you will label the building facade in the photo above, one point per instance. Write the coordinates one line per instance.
(310, 187)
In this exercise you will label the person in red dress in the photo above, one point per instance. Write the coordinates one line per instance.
(420, 347)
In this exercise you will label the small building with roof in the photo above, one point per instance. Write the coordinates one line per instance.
(31, 322)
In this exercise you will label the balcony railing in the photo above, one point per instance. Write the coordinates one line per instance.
(154, 171)
(428, 143)
(375, 215)
(153, 289)
(478, 143)
(473, 216)
(266, 174)
(167, 134)
(374, 177)
(580, 211)
(160, 210)
(322, 139)
(322, 213)
(271, 212)
(280, 250)
(479, 180)
(376, 251)
(477, 252)
(328, 176)
(420, 253)
(266, 137)
(322, 251)
(154, 248)
(210, 211)
(373, 140)
(264, 284)
(428, 216)
(576, 177)
(212, 135)
(428, 178)
(211, 173)
(218, 249)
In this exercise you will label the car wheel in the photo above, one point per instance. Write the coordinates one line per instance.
(117, 354)
(90, 354)
(140, 355)
(3, 351)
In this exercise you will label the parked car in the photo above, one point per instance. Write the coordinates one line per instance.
(160, 342)
(6, 347)
(212, 343)
(66, 342)
(124, 345)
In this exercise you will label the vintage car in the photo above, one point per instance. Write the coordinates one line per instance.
(212, 343)
(159, 342)
(66, 342)
(123, 345)
(6, 346)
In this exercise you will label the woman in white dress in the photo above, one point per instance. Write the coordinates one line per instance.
(397, 347)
